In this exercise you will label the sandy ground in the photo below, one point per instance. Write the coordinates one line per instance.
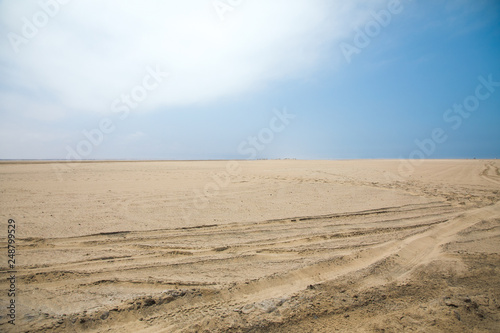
(253, 246)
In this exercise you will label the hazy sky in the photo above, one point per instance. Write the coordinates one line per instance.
(205, 79)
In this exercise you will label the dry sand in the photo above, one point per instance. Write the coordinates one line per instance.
(276, 246)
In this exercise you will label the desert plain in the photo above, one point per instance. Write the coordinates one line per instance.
(252, 246)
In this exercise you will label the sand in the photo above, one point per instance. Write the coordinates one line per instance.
(253, 246)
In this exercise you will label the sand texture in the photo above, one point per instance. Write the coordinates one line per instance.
(253, 246)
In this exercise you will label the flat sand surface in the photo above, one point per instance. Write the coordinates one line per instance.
(253, 246)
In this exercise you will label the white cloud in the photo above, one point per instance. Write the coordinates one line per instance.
(92, 51)
(36, 108)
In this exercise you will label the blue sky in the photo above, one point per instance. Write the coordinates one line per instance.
(204, 77)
